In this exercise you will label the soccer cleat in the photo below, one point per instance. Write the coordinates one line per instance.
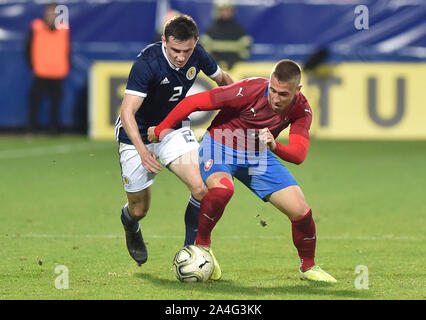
(217, 273)
(317, 274)
(136, 246)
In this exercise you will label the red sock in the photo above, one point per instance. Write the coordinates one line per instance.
(304, 239)
(211, 209)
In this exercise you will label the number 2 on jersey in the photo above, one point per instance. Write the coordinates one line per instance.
(178, 90)
(187, 135)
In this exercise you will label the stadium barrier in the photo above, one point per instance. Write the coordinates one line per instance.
(349, 100)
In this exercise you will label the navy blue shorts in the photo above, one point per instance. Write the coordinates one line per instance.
(260, 171)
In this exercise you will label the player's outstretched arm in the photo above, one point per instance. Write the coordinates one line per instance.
(197, 102)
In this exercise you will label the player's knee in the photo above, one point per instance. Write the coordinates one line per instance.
(199, 191)
(300, 210)
(218, 197)
(138, 210)
(140, 213)
(228, 185)
(299, 206)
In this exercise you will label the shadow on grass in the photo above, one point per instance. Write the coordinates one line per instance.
(235, 289)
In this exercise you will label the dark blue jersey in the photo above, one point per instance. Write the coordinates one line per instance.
(162, 85)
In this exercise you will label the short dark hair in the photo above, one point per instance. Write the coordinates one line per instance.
(287, 71)
(181, 27)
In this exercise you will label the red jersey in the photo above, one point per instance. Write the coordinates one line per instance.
(244, 105)
(244, 109)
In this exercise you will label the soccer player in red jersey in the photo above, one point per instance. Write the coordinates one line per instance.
(240, 143)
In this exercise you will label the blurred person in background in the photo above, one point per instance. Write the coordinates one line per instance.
(225, 39)
(47, 52)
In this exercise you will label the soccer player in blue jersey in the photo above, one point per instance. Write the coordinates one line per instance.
(159, 79)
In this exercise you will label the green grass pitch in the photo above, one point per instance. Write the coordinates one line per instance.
(61, 200)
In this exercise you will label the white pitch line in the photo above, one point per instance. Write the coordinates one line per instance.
(232, 237)
(64, 236)
(55, 149)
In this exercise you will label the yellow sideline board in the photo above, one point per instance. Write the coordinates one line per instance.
(349, 100)
(107, 82)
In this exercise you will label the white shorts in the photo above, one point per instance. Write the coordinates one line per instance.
(173, 146)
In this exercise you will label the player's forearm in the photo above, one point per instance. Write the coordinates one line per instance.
(295, 152)
(224, 80)
(129, 107)
(197, 102)
(131, 127)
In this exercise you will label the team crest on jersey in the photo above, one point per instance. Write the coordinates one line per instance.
(208, 165)
(126, 180)
(191, 73)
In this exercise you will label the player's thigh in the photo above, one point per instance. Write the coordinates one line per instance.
(186, 168)
(216, 172)
(178, 147)
(290, 200)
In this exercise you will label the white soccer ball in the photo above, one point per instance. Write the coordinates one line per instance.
(192, 264)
